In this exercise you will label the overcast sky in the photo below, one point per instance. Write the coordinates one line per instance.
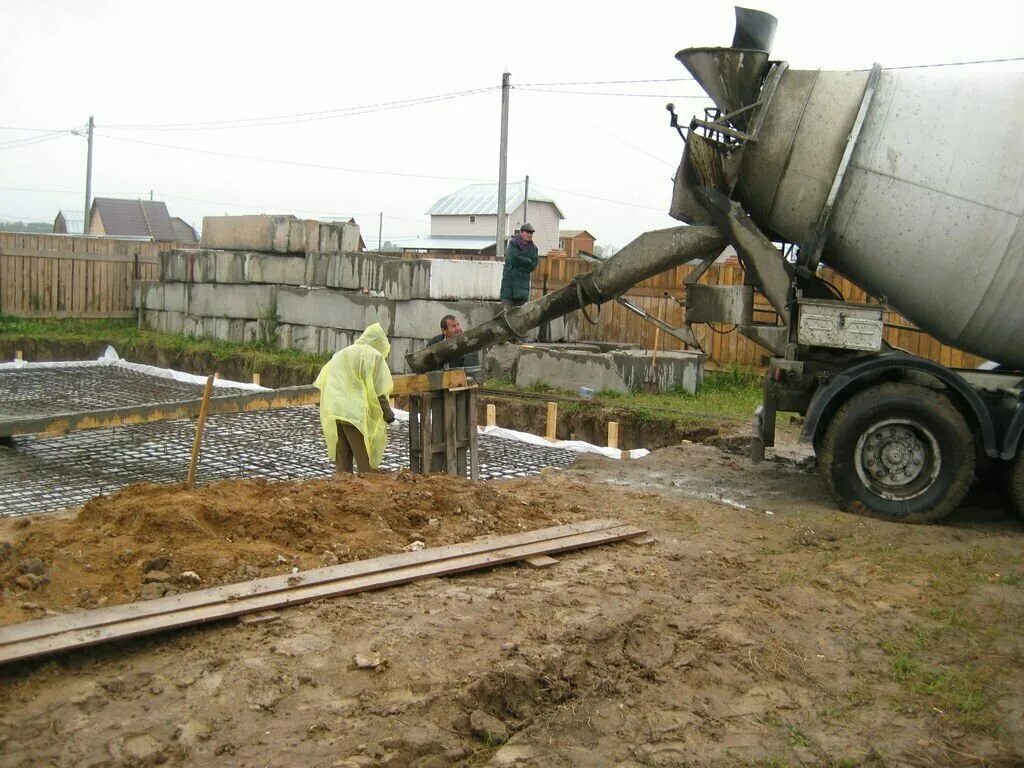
(182, 64)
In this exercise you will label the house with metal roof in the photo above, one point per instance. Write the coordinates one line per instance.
(472, 213)
(69, 223)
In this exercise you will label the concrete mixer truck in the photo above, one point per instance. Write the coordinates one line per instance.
(909, 183)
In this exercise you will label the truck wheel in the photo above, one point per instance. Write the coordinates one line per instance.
(1017, 483)
(899, 452)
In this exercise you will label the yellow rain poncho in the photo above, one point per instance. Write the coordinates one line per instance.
(349, 387)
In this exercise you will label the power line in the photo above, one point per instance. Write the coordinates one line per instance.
(959, 63)
(295, 163)
(254, 206)
(609, 82)
(32, 130)
(302, 117)
(630, 144)
(605, 93)
(10, 217)
(603, 199)
(19, 143)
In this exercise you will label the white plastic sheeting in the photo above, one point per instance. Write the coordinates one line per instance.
(111, 358)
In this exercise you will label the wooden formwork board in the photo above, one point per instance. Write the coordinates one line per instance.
(285, 397)
(77, 630)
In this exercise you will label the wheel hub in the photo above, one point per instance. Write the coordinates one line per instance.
(897, 459)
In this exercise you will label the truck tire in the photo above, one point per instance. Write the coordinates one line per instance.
(899, 452)
(1017, 483)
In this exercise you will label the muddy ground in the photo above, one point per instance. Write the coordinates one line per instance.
(762, 627)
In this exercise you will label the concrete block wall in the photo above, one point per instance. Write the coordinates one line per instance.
(306, 285)
(314, 320)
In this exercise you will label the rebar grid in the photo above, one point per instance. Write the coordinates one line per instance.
(46, 474)
(48, 391)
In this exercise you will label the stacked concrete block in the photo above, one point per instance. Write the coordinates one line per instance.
(250, 302)
(304, 285)
(616, 371)
(205, 266)
(277, 234)
(402, 279)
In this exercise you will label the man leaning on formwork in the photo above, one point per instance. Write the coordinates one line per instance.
(354, 388)
(450, 328)
(521, 258)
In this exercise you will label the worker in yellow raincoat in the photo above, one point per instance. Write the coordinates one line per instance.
(354, 388)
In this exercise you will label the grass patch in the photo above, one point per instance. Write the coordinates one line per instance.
(962, 688)
(126, 338)
(961, 691)
(730, 394)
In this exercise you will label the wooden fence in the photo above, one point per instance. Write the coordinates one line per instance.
(73, 275)
(724, 345)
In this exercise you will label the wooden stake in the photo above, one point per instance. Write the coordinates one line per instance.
(256, 379)
(613, 434)
(552, 426)
(492, 415)
(200, 424)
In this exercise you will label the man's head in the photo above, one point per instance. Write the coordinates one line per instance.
(526, 232)
(450, 326)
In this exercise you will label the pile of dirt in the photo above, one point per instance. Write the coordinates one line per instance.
(150, 540)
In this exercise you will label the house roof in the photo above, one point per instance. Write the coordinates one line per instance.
(448, 243)
(183, 232)
(573, 233)
(73, 222)
(482, 200)
(134, 218)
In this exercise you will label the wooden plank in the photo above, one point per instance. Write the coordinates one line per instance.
(450, 433)
(78, 291)
(426, 433)
(299, 592)
(273, 584)
(285, 397)
(59, 424)
(474, 455)
(551, 428)
(263, 617)
(461, 440)
(415, 437)
(53, 281)
(425, 382)
(540, 561)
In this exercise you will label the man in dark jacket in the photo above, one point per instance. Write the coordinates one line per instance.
(450, 328)
(521, 259)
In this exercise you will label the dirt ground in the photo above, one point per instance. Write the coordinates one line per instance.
(762, 628)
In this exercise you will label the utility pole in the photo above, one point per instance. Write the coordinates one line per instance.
(88, 182)
(151, 195)
(380, 232)
(526, 199)
(502, 167)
